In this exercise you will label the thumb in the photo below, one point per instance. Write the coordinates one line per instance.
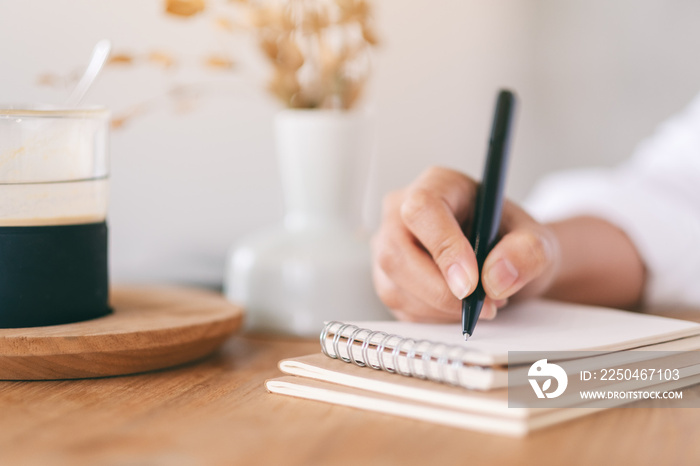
(522, 257)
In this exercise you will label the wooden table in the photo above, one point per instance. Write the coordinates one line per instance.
(216, 411)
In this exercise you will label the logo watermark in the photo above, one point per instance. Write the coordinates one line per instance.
(603, 380)
(551, 371)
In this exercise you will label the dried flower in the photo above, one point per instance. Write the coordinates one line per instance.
(219, 62)
(120, 59)
(314, 21)
(353, 11)
(48, 79)
(184, 7)
(318, 49)
(225, 24)
(289, 56)
(268, 44)
(273, 17)
(285, 86)
(161, 58)
(369, 35)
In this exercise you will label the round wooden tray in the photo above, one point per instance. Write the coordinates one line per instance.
(150, 328)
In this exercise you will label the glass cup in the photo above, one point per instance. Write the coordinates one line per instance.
(54, 179)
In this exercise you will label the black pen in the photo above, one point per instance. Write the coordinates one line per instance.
(489, 203)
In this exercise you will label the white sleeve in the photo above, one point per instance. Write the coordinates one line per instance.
(654, 198)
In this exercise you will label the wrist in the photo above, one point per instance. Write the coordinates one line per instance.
(598, 264)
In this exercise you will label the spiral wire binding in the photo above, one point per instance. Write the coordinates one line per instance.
(397, 352)
(449, 358)
(380, 351)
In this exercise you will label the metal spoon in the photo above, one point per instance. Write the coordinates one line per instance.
(97, 61)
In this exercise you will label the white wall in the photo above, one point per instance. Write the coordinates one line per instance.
(594, 77)
(607, 72)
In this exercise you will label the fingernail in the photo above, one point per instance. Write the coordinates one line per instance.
(499, 303)
(501, 276)
(488, 311)
(458, 281)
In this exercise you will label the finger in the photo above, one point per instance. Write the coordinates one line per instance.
(520, 257)
(405, 306)
(411, 268)
(456, 189)
(500, 303)
(490, 308)
(420, 318)
(398, 254)
(432, 212)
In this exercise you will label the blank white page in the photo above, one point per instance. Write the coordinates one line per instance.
(539, 325)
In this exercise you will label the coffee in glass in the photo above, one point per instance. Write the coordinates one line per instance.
(53, 207)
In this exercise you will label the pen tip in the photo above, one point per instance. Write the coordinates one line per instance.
(466, 336)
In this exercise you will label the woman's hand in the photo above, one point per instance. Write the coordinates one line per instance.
(423, 265)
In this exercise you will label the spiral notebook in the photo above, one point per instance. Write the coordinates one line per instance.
(379, 365)
(439, 352)
(413, 398)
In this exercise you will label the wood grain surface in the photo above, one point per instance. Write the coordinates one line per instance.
(150, 328)
(217, 412)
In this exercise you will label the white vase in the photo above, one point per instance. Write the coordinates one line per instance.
(314, 267)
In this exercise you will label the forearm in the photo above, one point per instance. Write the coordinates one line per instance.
(598, 265)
